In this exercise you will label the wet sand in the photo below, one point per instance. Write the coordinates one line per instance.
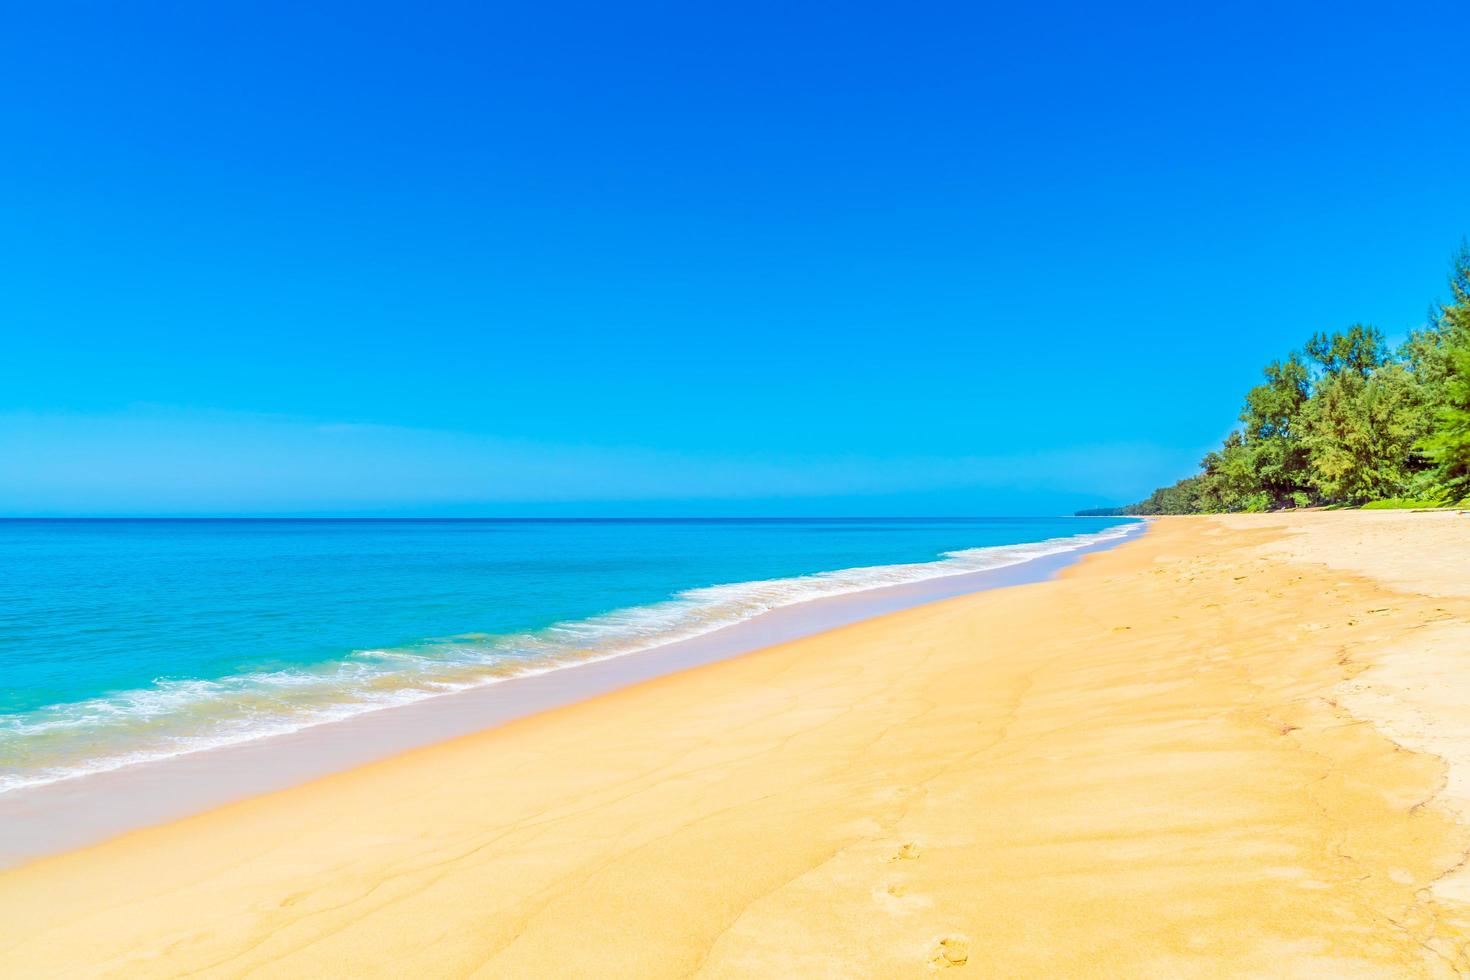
(61, 816)
(1236, 746)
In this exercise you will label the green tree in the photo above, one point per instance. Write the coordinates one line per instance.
(1428, 352)
(1271, 423)
(1347, 420)
(1447, 444)
(1359, 351)
(1230, 480)
(1453, 318)
(1361, 433)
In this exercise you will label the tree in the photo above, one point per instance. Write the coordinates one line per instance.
(1272, 422)
(1230, 480)
(1448, 443)
(1347, 420)
(1453, 318)
(1359, 350)
(1428, 351)
(1361, 433)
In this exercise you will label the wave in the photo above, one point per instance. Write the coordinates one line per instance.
(176, 717)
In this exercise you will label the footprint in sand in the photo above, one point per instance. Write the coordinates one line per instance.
(894, 897)
(908, 852)
(951, 951)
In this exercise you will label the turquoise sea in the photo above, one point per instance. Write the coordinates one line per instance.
(130, 640)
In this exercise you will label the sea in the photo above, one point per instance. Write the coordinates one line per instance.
(132, 641)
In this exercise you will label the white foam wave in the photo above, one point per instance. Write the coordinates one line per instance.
(175, 717)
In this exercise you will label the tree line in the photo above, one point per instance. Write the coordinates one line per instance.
(1347, 421)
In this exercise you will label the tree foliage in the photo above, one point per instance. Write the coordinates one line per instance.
(1448, 444)
(1347, 420)
(1362, 432)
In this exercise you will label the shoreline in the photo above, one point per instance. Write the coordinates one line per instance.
(1237, 746)
(56, 817)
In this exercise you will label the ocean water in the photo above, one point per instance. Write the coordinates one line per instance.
(124, 641)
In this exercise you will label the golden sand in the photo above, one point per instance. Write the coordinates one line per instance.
(1236, 747)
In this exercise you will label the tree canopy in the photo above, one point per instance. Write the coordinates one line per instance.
(1346, 420)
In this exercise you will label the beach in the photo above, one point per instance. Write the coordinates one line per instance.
(1232, 746)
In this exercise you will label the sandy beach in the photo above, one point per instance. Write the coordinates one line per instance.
(1235, 746)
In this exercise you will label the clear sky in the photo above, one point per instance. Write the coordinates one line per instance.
(684, 258)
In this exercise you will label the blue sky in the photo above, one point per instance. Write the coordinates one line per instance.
(665, 258)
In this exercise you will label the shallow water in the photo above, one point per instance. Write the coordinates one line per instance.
(133, 641)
